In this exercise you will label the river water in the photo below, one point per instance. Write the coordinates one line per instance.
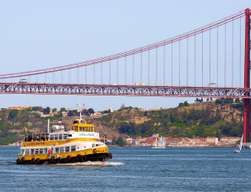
(134, 169)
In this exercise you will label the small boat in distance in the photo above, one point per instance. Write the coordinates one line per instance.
(240, 146)
(160, 143)
(79, 144)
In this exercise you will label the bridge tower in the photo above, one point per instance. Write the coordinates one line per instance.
(247, 102)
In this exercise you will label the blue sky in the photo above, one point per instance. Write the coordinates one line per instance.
(40, 34)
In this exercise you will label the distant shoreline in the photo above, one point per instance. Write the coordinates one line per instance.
(173, 142)
(134, 146)
(185, 146)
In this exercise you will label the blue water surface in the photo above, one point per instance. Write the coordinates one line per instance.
(135, 169)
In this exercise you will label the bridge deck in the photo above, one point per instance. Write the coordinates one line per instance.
(123, 90)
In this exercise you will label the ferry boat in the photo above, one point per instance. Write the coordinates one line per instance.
(80, 143)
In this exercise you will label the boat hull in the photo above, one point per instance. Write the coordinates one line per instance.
(94, 154)
(68, 159)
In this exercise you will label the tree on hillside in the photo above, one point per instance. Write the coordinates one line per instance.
(37, 108)
(120, 141)
(63, 109)
(128, 129)
(184, 104)
(91, 111)
(12, 115)
(47, 110)
(197, 100)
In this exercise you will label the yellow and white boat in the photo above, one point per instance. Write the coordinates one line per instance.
(79, 144)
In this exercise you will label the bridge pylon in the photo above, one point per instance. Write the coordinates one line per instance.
(247, 101)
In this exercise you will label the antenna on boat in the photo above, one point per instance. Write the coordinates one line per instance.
(80, 115)
(48, 126)
(80, 112)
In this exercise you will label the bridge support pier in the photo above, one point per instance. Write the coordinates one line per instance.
(247, 102)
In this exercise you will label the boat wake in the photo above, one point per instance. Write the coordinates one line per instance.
(93, 163)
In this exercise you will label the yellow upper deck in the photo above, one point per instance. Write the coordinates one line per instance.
(81, 126)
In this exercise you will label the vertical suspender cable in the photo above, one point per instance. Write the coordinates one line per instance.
(209, 56)
(101, 73)
(232, 68)
(240, 63)
(133, 68)
(179, 60)
(36, 78)
(187, 60)
(110, 72)
(202, 59)
(86, 75)
(53, 77)
(148, 68)
(164, 65)
(125, 62)
(141, 67)
(78, 75)
(217, 56)
(225, 53)
(195, 49)
(61, 76)
(156, 63)
(172, 64)
(117, 71)
(69, 76)
(94, 76)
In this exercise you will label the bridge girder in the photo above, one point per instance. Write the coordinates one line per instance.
(123, 90)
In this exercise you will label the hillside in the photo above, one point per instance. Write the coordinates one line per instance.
(216, 118)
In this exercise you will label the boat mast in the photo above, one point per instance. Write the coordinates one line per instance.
(48, 126)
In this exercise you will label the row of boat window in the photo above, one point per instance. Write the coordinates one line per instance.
(47, 151)
(83, 129)
(45, 137)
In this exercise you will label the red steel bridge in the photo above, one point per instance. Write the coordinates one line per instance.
(212, 61)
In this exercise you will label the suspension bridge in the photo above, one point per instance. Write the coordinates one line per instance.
(212, 61)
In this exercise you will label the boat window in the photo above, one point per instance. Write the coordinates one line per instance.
(56, 137)
(45, 151)
(37, 138)
(51, 137)
(69, 135)
(36, 151)
(60, 137)
(23, 151)
(67, 149)
(32, 151)
(42, 137)
(27, 151)
(75, 121)
(61, 149)
(65, 136)
(41, 151)
(57, 149)
(73, 148)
